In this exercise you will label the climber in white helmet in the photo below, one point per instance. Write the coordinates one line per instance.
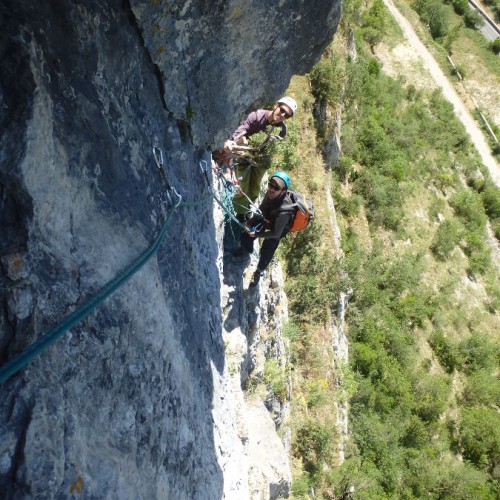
(258, 121)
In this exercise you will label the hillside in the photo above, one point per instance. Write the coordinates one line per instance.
(419, 220)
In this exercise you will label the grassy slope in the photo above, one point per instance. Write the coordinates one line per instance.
(462, 307)
(469, 51)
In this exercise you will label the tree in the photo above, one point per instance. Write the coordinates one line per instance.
(495, 46)
(473, 19)
(434, 14)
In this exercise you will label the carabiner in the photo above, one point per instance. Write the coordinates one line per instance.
(158, 155)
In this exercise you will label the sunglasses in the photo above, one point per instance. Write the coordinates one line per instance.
(273, 186)
(283, 111)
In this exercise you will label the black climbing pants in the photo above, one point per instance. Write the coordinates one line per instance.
(267, 249)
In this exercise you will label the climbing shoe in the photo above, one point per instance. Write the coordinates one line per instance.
(256, 278)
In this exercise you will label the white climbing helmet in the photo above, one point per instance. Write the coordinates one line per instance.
(291, 103)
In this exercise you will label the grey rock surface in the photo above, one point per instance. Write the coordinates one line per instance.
(131, 402)
(253, 335)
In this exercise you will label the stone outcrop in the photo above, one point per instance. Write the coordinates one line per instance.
(133, 401)
(253, 336)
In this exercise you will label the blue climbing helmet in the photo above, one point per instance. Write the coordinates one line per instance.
(283, 176)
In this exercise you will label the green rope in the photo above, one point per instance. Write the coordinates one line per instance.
(50, 337)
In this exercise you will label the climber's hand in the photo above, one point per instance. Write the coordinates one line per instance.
(229, 145)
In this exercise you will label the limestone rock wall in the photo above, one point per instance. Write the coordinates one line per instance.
(131, 402)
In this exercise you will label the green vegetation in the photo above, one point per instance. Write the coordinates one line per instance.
(495, 46)
(413, 203)
(433, 14)
(275, 378)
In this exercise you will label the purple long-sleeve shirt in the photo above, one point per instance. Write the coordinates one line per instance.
(255, 122)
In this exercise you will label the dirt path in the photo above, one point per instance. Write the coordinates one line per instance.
(449, 93)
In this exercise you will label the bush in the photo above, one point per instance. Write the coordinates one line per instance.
(432, 477)
(431, 396)
(491, 198)
(445, 350)
(301, 485)
(383, 199)
(415, 435)
(326, 81)
(275, 378)
(313, 443)
(348, 206)
(373, 23)
(344, 168)
(479, 435)
(460, 6)
(495, 46)
(433, 13)
(481, 388)
(478, 352)
(468, 205)
(446, 239)
(413, 309)
(473, 19)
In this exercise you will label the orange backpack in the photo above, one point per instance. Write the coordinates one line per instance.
(304, 211)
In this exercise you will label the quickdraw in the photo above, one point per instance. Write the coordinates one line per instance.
(166, 198)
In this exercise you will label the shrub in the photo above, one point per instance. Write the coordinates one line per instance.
(372, 36)
(326, 81)
(445, 350)
(495, 46)
(313, 443)
(383, 199)
(431, 395)
(478, 352)
(460, 6)
(415, 435)
(446, 239)
(491, 198)
(316, 392)
(481, 388)
(433, 13)
(437, 207)
(275, 378)
(344, 168)
(469, 207)
(473, 19)
(348, 206)
(479, 434)
(373, 23)
(301, 485)
(480, 261)
(413, 309)
(432, 477)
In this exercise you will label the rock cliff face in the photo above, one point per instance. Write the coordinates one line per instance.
(133, 402)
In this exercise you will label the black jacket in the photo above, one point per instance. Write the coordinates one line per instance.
(278, 216)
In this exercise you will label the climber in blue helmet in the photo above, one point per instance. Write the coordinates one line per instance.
(277, 211)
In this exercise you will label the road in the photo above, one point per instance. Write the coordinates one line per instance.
(449, 93)
(489, 29)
